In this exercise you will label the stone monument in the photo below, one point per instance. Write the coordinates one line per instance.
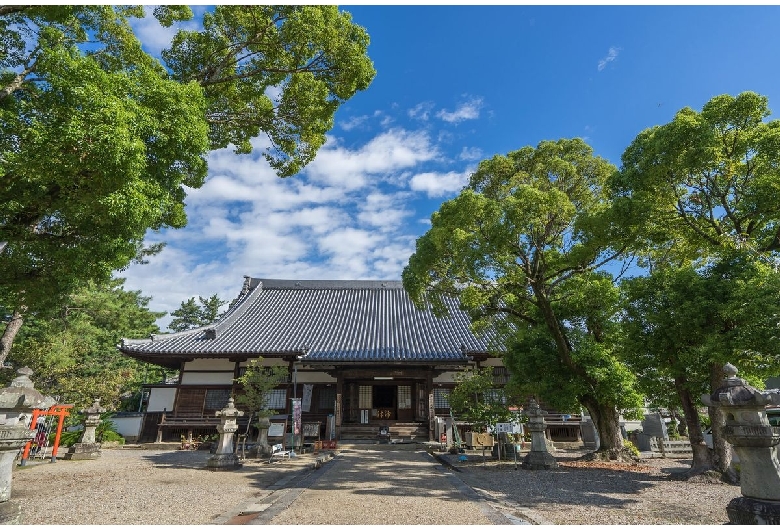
(263, 423)
(87, 448)
(755, 441)
(17, 402)
(224, 457)
(539, 457)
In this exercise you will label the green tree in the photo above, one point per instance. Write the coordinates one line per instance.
(256, 385)
(192, 314)
(73, 353)
(99, 140)
(679, 321)
(476, 400)
(521, 248)
(702, 191)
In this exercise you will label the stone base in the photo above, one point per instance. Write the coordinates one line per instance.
(539, 460)
(747, 510)
(223, 462)
(82, 451)
(10, 513)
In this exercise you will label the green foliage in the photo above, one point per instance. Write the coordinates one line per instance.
(704, 183)
(104, 432)
(99, 140)
(192, 314)
(73, 354)
(522, 248)
(633, 449)
(476, 400)
(256, 382)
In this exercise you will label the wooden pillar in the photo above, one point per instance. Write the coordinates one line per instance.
(431, 409)
(338, 407)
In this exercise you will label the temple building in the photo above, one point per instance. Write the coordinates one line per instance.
(359, 355)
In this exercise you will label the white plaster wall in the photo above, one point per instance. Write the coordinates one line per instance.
(269, 362)
(128, 426)
(315, 377)
(209, 364)
(161, 398)
(445, 377)
(207, 378)
(492, 361)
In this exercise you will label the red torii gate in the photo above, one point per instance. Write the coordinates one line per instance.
(60, 411)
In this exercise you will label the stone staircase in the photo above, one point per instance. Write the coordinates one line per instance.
(399, 432)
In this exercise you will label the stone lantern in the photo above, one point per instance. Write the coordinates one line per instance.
(223, 457)
(17, 402)
(87, 448)
(539, 457)
(755, 441)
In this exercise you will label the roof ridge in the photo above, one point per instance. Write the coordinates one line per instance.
(270, 283)
(237, 307)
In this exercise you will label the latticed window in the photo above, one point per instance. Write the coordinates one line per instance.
(500, 375)
(276, 399)
(364, 397)
(217, 398)
(327, 398)
(404, 397)
(441, 398)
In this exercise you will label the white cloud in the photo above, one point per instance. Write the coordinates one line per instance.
(421, 111)
(612, 54)
(388, 152)
(353, 122)
(470, 153)
(439, 184)
(466, 111)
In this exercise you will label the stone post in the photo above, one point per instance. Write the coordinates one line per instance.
(87, 448)
(16, 404)
(756, 442)
(539, 457)
(224, 458)
(262, 436)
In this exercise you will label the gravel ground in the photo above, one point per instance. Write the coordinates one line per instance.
(167, 487)
(581, 492)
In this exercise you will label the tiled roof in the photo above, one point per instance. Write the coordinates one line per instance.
(329, 321)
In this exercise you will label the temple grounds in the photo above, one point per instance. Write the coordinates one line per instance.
(393, 484)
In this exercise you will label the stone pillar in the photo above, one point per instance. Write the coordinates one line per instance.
(262, 436)
(87, 448)
(224, 458)
(539, 457)
(755, 441)
(17, 402)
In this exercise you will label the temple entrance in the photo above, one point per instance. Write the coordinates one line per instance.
(383, 397)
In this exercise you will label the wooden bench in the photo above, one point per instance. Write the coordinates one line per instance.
(278, 450)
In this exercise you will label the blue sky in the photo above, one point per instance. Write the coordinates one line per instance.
(454, 85)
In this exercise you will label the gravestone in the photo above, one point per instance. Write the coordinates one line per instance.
(654, 426)
(589, 434)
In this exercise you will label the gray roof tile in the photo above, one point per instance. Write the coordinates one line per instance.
(332, 321)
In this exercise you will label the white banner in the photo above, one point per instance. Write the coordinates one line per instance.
(306, 403)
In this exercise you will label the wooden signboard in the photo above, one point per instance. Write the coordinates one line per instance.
(311, 430)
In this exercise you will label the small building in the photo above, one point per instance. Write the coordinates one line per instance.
(359, 354)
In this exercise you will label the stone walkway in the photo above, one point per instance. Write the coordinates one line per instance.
(373, 487)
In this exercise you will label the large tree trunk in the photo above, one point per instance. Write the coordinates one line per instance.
(721, 458)
(607, 422)
(702, 456)
(9, 334)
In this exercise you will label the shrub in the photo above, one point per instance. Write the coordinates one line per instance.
(628, 445)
